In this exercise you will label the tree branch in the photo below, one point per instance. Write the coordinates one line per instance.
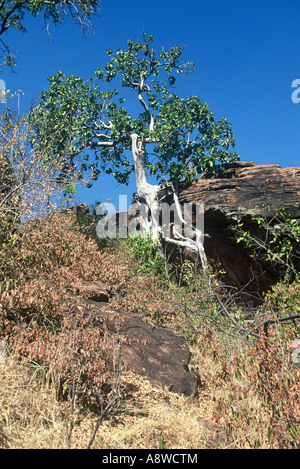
(269, 321)
(140, 89)
(4, 28)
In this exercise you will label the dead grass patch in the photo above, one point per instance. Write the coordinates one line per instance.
(153, 416)
(33, 418)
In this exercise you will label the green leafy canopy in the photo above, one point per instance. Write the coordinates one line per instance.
(12, 13)
(180, 137)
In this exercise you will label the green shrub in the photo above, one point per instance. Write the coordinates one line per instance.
(284, 299)
(147, 255)
(277, 240)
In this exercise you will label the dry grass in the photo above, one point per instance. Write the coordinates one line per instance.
(155, 415)
(228, 413)
(31, 417)
(249, 398)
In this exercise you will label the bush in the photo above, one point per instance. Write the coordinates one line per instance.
(41, 321)
(277, 240)
(147, 255)
(259, 398)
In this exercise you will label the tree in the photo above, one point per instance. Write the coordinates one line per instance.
(28, 186)
(173, 138)
(12, 14)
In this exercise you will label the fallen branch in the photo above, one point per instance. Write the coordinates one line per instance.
(265, 324)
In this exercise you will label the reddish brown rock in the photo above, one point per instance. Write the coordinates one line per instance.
(245, 191)
(81, 209)
(152, 351)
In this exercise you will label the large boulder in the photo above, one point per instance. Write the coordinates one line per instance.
(149, 350)
(152, 351)
(243, 192)
(246, 190)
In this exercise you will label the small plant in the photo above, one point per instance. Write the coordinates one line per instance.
(147, 254)
(161, 443)
(277, 240)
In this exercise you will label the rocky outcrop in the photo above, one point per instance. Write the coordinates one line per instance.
(246, 190)
(81, 209)
(149, 350)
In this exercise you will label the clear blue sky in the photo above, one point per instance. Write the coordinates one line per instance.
(246, 52)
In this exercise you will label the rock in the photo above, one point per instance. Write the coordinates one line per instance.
(81, 209)
(247, 190)
(155, 353)
(295, 356)
(96, 291)
(152, 351)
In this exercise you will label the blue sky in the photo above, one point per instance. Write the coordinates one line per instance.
(246, 52)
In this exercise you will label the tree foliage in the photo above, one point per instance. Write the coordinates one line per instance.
(12, 13)
(29, 187)
(181, 135)
(277, 240)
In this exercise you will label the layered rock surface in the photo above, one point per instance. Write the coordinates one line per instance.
(245, 191)
(150, 350)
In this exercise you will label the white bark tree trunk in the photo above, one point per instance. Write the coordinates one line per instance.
(149, 194)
